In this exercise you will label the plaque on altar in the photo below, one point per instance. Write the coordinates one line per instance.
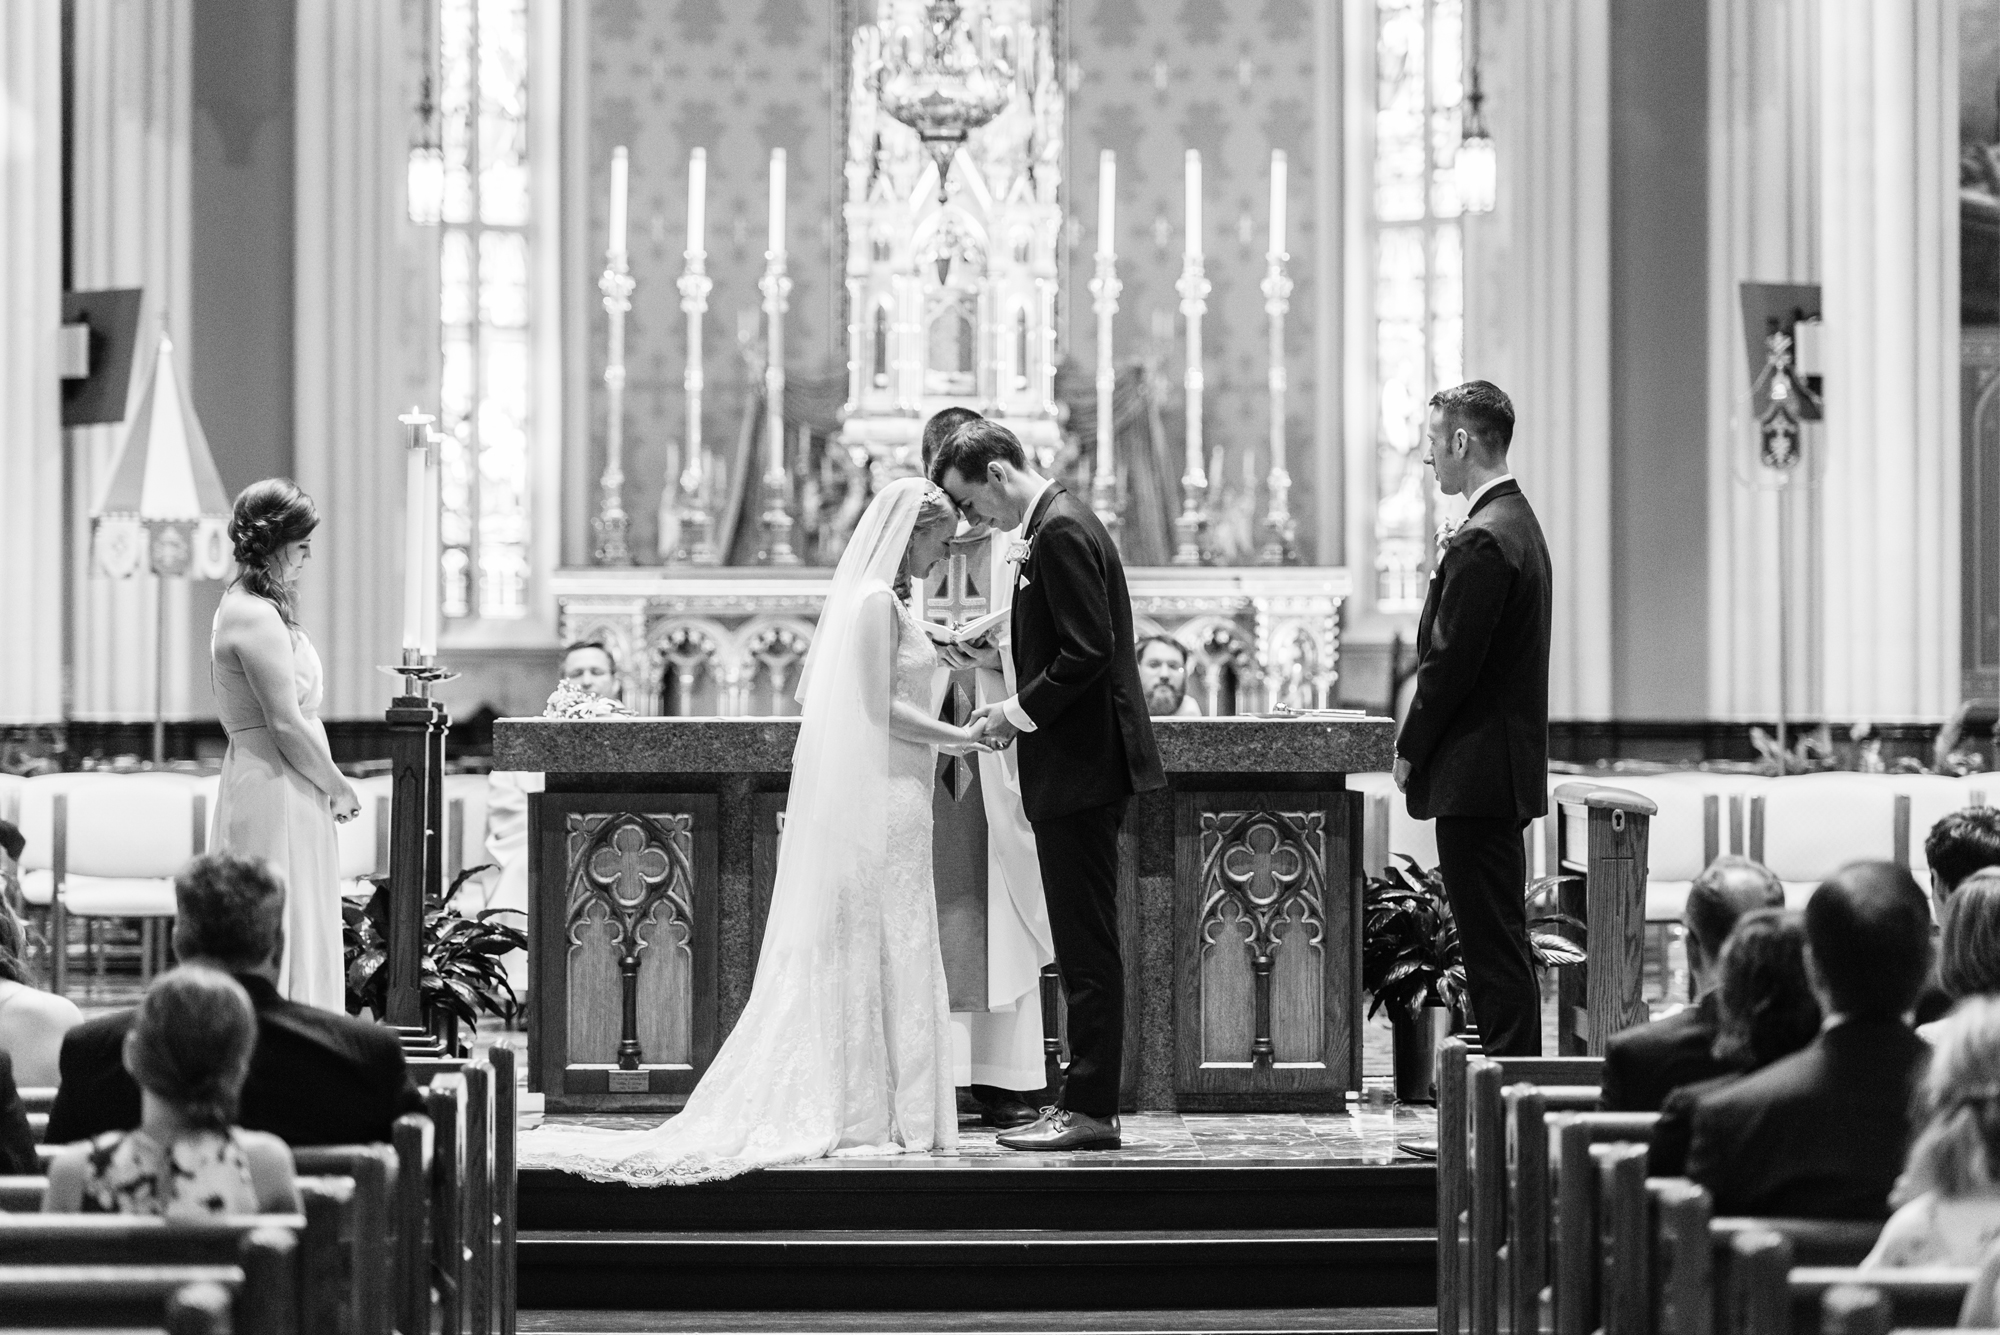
(654, 848)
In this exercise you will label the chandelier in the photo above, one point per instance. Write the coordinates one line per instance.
(948, 91)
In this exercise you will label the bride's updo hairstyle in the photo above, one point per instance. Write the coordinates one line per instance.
(268, 515)
(934, 509)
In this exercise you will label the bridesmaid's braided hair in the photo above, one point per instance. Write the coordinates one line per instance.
(269, 515)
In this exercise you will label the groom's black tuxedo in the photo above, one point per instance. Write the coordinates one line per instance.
(1477, 740)
(1091, 749)
(1077, 668)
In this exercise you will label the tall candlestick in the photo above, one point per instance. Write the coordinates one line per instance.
(416, 487)
(1279, 537)
(776, 549)
(1105, 288)
(1193, 208)
(616, 285)
(427, 642)
(619, 167)
(1191, 528)
(697, 533)
(1277, 246)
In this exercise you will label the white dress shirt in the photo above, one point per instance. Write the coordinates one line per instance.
(1011, 706)
(1473, 499)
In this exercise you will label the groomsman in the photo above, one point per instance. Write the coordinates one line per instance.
(1474, 750)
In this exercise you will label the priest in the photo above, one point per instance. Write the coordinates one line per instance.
(1002, 1046)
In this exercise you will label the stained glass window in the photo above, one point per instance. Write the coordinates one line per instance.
(1419, 286)
(484, 308)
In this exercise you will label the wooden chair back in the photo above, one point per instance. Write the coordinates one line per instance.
(1601, 838)
(370, 1246)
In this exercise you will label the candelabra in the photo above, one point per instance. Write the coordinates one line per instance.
(1104, 290)
(617, 285)
(1191, 529)
(776, 549)
(697, 528)
(1279, 536)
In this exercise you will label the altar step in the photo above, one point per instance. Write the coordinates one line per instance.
(978, 1269)
(1281, 1321)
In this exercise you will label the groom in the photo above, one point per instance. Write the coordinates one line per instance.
(1086, 746)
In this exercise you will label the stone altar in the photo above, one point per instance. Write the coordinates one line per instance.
(653, 850)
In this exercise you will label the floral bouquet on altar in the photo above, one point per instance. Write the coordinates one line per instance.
(569, 700)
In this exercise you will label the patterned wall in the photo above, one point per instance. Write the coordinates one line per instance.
(1149, 79)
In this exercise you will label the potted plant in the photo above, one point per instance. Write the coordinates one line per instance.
(1413, 966)
(460, 971)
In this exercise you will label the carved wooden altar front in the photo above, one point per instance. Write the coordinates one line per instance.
(729, 642)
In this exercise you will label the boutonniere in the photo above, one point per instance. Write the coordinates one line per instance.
(1019, 551)
(1445, 532)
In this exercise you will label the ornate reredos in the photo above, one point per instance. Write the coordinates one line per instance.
(953, 302)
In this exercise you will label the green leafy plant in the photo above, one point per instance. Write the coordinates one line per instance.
(1410, 952)
(460, 971)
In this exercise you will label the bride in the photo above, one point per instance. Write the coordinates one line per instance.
(844, 1047)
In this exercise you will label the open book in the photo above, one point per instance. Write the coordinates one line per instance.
(971, 632)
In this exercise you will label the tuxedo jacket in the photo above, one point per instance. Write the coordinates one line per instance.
(316, 1077)
(1477, 736)
(1646, 1063)
(1820, 1134)
(17, 1142)
(1077, 670)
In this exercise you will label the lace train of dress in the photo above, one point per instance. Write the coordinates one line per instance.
(844, 1047)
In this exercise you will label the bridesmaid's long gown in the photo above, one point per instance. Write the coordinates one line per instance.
(269, 810)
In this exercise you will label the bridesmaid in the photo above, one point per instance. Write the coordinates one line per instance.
(280, 793)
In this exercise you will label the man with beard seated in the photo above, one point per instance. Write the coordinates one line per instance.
(1163, 671)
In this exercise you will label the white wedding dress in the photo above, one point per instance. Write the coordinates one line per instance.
(844, 1047)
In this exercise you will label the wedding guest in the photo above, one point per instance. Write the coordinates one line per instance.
(189, 1050)
(1868, 934)
(280, 792)
(316, 1077)
(587, 666)
(1962, 843)
(1163, 671)
(1949, 1196)
(32, 1022)
(1969, 946)
(1765, 1010)
(1647, 1062)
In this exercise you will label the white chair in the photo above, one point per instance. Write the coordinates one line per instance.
(117, 842)
(35, 815)
(1808, 826)
(364, 841)
(1387, 828)
(464, 824)
(1932, 797)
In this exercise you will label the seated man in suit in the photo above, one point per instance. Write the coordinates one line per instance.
(1646, 1063)
(1822, 1133)
(316, 1077)
(1962, 843)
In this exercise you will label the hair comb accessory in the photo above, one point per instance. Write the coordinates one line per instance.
(935, 495)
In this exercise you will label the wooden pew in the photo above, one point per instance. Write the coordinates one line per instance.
(1573, 1293)
(445, 1100)
(1601, 837)
(261, 1279)
(506, 1184)
(1469, 1242)
(1530, 1191)
(1918, 1296)
(1503, 1254)
(413, 1139)
(22, 1195)
(369, 1247)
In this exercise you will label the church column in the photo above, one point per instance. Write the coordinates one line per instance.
(350, 293)
(1763, 226)
(1538, 310)
(130, 162)
(1889, 544)
(31, 532)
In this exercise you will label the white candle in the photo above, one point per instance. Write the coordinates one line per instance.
(1107, 202)
(1194, 203)
(620, 166)
(697, 199)
(432, 559)
(1277, 201)
(776, 244)
(417, 425)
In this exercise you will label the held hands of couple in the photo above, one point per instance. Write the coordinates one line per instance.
(977, 739)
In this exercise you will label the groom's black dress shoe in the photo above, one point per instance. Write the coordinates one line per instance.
(1062, 1129)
